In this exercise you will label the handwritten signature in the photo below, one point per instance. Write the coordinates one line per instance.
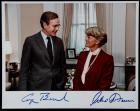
(97, 98)
(115, 97)
(43, 97)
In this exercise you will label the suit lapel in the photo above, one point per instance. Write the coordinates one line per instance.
(93, 71)
(42, 46)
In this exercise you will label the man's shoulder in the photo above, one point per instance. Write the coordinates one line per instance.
(57, 38)
(34, 35)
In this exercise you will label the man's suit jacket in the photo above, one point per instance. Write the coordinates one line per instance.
(37, 72)
(99, 76)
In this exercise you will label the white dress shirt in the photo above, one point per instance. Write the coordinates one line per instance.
(86, 66)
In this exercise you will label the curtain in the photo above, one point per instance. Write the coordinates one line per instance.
(84, 16)
(67, 21)
(112, 18)
(101, 15)
(101, 18)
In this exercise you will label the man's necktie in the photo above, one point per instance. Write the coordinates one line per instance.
(49, 48)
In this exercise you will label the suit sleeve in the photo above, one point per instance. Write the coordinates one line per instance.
(25, 64)
(62, 79)
(107, 74)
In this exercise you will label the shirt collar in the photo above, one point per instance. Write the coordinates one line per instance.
(43, 35)
(96, 51)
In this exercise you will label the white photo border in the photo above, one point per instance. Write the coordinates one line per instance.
(73, 99)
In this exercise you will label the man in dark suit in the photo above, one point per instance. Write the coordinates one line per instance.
(43, 63)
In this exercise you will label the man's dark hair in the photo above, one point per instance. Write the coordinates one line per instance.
(46, 17)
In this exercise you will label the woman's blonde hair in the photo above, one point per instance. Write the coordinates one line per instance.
(97, 33)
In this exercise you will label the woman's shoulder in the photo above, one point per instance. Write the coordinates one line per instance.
(106, 54)
(83, 53)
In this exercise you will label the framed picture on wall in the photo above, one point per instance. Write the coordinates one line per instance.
(71, 54)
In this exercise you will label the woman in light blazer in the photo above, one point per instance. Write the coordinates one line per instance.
(94, 70)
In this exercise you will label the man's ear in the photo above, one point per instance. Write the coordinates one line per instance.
(44, 24)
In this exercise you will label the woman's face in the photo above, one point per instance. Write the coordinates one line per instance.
(91, 42)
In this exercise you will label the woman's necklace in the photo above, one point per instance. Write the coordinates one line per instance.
(92, 62)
